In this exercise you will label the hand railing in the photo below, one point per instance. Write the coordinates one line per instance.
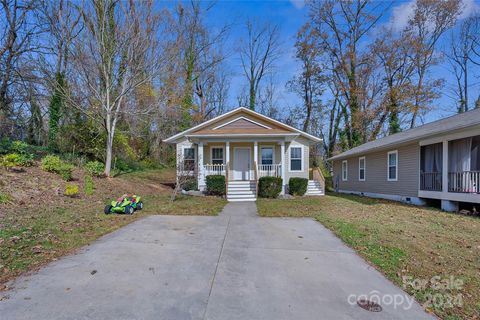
(464, 181)
(270, 170)
(214, 169)
(431, 181)
(318, 176)
(227, 168)
(255, 175)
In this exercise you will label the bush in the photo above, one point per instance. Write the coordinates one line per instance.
(269, 187)
(88, 185)
(189, 183)
(216, 185)
(297, 186)
(95, 168)
(54, 164)
(5, 198)
(16, 160)
(71, 190)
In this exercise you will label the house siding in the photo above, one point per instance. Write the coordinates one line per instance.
(376, 173)
(300, 141)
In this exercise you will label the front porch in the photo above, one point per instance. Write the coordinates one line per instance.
(450, 170)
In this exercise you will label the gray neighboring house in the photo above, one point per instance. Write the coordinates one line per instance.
(439, 160)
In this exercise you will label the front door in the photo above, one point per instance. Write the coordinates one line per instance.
(241, 164)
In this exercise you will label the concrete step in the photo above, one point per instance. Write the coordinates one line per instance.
(240, 192)
(241, 200)
(241, 182)
(241, 197)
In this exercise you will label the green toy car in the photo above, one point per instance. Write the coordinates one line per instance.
(125, 204)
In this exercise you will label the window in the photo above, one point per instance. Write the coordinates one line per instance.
(344, 170)
(217, 155)
(295, 158)
(266, 156)
(189, 159)
(361, 168)
(392, 166)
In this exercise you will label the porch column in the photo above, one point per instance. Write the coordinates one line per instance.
(227, 158)
(201, 173)
(255, 152)
(445, 166)
(282, 162)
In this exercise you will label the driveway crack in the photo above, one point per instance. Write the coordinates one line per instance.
(216, 267)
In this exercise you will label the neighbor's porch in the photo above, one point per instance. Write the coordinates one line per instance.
(450, 169)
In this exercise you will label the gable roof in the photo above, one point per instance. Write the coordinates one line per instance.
(259, 126)
(456, 122)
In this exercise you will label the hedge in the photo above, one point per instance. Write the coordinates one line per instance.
(216, 185)
(297, 186)
(269, 187)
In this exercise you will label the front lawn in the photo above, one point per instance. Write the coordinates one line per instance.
(401, 241)
(50, 225)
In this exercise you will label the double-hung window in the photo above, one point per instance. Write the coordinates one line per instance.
(296, 159)
(361, 169)
(188, 159)
(344, 170)
(266, 155)
(392, 166)
(217, 155)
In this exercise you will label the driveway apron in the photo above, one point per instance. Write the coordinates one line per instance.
(234, 266)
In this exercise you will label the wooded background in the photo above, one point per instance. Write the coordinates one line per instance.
(109, 80)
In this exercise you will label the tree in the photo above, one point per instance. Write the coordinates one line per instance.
(460, 56)
(258, 54)
(116, 55)
(429, 22)
(309, 84)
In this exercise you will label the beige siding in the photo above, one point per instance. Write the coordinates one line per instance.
(376, 173)
(300, 141)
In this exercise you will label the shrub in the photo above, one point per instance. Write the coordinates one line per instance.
(16, 160)
(88, 185)
(54, 164)
(269, 187)
(5, 198)
(71, 190)
(216, 185)
(189, 183)
(297, 186)
(95, 168)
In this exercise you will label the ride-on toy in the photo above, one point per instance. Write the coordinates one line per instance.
(125, 204)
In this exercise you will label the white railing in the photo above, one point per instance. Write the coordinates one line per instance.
(431, 181)
(214, 169)
(464, 182)
(269, 170)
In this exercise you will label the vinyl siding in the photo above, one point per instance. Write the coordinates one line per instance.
(376, 172)
(300, 141)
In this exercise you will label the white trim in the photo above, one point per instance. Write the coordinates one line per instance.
(248, 111)
(266, 146)
(195, 158)
(345, 177)
(396, 165)
(241, 118)
(217, 147)
(249, 160)
(290, 157)
(243, 135)
(393, 197)
(364, 168)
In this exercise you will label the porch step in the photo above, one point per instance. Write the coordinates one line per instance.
(241, 191)
(314, 188)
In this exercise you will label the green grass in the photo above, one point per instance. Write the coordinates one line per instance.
(88, 185)
(400, 240)
(5, 198)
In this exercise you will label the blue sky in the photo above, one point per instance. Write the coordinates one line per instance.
(290, 16)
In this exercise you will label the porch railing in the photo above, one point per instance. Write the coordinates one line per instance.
(464, 181)
(214, 169)
(269, 170)
(431, 181)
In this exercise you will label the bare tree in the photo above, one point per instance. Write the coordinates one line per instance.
(116, 55)
(258, 54)
(429, 22)
(460, 57)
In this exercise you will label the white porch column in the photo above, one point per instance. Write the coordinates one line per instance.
(227, 152)
(201, 173)
(255, 152)
(445, 167)
(282, 158)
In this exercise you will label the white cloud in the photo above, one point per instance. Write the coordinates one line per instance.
(403, 12)
(299, 4)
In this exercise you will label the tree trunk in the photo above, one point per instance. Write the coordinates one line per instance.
(110, 133)
(252, 95)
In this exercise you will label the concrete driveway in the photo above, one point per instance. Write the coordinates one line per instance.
(234, 266)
